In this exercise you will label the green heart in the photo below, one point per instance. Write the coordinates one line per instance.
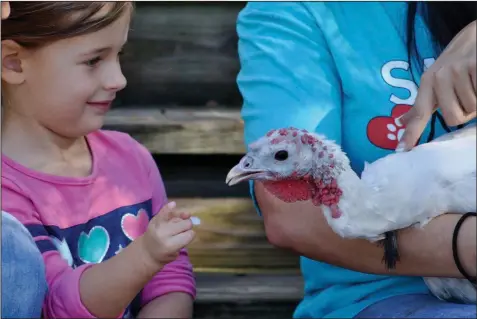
(93, 247)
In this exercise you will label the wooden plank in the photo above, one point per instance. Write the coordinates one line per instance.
(231, 238)
(182, 54)
(231, 310)
(248, 288)
(181, 131)
(199, 175)
(249, 296)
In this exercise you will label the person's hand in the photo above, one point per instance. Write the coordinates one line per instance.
(5, 9)
(449, 84)
(168, 232)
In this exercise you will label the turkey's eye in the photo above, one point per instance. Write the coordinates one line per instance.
(281, 155)
(248, 163)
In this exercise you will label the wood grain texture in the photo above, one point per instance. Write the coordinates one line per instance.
(233, 310)
(248, 288)
(181, 131)
(182, 54)
(250, 296)
(231, 239)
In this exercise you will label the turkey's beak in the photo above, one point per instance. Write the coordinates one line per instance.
(239, 174)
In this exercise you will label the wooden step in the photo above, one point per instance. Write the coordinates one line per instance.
(248, 288)
(181, 130)
(231, 239)
(250, 296)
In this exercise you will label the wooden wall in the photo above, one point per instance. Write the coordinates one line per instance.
(182, 54)
(183, 104)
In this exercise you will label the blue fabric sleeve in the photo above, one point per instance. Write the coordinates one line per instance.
(288, 76)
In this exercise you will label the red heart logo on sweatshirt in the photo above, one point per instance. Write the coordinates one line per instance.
(386, 131)
(134, 226)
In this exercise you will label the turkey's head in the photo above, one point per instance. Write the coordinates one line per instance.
(294, 165)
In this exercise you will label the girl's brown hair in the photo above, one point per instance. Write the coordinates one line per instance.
(34, 24)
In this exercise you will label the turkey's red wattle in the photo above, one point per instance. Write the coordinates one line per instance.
(291, 191)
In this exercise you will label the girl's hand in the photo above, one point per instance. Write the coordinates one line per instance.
(450, 84)
(168, 232)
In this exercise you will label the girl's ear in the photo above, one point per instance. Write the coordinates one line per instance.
(12, 71)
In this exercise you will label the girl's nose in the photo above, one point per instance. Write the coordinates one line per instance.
(115, 81)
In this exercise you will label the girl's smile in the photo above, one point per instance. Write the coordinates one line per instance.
(103, 106)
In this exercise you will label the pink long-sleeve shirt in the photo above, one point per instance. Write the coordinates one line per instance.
(77, 222)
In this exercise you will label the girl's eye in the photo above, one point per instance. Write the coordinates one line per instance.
(93, 62)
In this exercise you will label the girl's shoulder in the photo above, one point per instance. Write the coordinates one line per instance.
(122, 147)
(113, 139)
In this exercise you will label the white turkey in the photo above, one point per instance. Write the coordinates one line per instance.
(397, 191)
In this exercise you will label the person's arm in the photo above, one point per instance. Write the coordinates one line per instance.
(288, 78)
(171, 293)
(171, 305)
(424, 252)
(90, 290)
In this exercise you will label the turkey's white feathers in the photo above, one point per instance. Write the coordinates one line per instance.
(410, 189)
(426, 182)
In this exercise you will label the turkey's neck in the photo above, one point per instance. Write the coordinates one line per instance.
(290, 190)
(353, 213)
(347, 187)
(358, 204)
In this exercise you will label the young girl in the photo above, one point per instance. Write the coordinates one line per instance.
(93, 200)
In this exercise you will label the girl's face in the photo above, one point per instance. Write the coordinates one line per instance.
(68, 86)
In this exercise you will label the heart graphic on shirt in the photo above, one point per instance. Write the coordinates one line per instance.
(63, 249)
(134, 226)
(386, 131)
(93, 247)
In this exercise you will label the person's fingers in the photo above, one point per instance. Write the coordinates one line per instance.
(465, 91)
(174, 228)
(446, 97)
(166, 212)
(184, 215)
(472, 72)
(182, 239)
(177, 216)
(415, 120)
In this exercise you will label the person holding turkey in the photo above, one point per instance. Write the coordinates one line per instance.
(373, 86)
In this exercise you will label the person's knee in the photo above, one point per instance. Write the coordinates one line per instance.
(17, 240)
(23, 271)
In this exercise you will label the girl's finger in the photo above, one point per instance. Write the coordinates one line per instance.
(182, 239)
(185, 215)
(446, 98)
(174, 228)
(166, 212)
(178, 216)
